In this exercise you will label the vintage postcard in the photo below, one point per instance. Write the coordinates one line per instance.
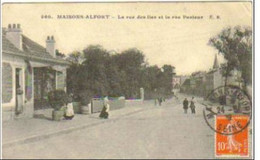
(127, 80)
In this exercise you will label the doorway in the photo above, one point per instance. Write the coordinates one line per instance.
(44, 82)
(19, 91)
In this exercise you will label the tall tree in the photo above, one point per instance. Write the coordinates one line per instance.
(97, 72)
(94, 64)
(235, 44)
(168, 72)
(74, 81)
(114, 77)
(130, 62)
(75, 57)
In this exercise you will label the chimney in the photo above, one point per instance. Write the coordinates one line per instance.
(50, 46)
(14, 35)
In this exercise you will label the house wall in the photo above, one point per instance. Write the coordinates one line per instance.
(233, 80)
(9, 65)
(218, 79)
(8, 101)
(7, 82)
(209, 83)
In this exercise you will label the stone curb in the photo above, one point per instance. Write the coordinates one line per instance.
(38, 137)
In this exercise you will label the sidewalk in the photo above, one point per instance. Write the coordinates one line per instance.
(22, 131)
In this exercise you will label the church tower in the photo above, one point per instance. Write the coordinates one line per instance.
(216, 65)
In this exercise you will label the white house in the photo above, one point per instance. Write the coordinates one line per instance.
(33, 68)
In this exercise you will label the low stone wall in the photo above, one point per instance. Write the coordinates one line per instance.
(134, 102)
(96, 105)
(114, 103)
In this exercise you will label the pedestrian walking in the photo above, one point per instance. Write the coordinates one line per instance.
(69, 112)
(192, 106)
(185, 105)
(105, 110)
(160, 101)
(164, 99)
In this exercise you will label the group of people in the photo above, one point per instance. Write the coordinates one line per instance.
(69, 112)
(159, 101)
(186, 105)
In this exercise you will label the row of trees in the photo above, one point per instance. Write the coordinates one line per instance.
(96, 72)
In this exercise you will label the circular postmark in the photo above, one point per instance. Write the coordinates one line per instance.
(228, 110)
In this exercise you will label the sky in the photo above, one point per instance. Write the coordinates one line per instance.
(182, 42)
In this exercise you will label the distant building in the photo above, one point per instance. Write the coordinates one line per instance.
(30, 68)
(203, 83)
(197, 83)
(176, 82)
(185, 87)
(214, 78)
(200, 83)
(182, 79)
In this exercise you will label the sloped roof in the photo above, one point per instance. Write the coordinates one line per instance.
(34, 48)
(186, 82)
(8, 46)
(212, 71)
(31, 50)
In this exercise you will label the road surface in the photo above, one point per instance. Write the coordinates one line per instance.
(155, 132)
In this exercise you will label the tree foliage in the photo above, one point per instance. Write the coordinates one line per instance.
(118, 74)
(59, 54)
(235, 44)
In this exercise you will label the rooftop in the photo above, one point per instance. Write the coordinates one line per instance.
(31, 50)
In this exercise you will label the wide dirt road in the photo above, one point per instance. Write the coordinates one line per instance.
(156, 132)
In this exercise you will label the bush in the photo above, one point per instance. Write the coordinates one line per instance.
(57, 99)
(85, 97)
(75, 97)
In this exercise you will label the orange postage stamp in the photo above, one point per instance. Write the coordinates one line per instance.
(231, 143)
